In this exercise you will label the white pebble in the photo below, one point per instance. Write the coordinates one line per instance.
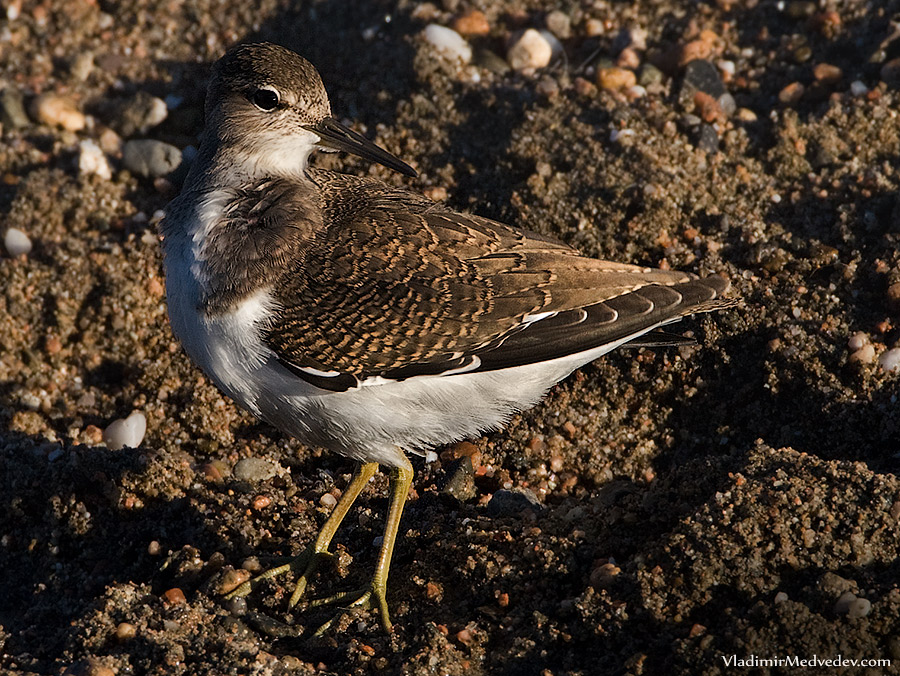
(858, 88)
(890, 360)
(781, 597)
(430, 456)
(859, 608)
(857, 340)
(17, 243)
(328, 500)
(58, 111)
(448, 43)
(531, 50)
(91, 160)
(126, 432)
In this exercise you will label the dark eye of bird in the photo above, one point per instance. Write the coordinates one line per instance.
(265, 99)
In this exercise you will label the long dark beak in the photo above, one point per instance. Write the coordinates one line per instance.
(336, 136)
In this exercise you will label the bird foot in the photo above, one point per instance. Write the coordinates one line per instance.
(307, 562)
(371, 598)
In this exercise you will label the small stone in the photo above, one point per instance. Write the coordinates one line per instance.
(828, 74)
(448, 43)
(628, 58)
(232, 579)
(511, 503)
(559, 23)
(126, 432)
(889, 360)
(82, 66)
(692, 51)
(709, 109)
(864, 355)
(92, 160)
(254, 470)
(17, 243)
(707, 139)
(12, 109)
(649, 75)
(472, 22)
(530, 51)
(791, 94)
(859, 608)
(594, 28)
(857, 340)
(125, 632)
(461, 482)
(602, 576)
(893, 296)
(485, 58)
(92, 435)
(701, 75)
(890, 72)
(328, 501)
(614, 78)
(139, 114)
(150, 158)
(746, 115)
(58, 111)
(781, 597)
(858, 88)
(174, 597)
(110, 142)
(260, 502)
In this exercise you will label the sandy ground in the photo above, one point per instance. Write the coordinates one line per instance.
(737, 498)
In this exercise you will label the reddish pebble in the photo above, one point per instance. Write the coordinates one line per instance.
(92, 435)
(465, 636)
(53, 345)
(503, 600)
(472, 23)
(433, 591)
(260, 502)
(367, 649)
(709, 109)
(615, 78)
(792, 93)
(697, 630)
(696, 49)
(825, 72)
(174, 597)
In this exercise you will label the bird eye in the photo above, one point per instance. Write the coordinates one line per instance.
(265, 99)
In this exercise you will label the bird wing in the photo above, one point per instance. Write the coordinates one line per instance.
(394, 286)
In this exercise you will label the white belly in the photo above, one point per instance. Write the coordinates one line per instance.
(369, 423)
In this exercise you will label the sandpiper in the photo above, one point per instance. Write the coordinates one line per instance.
(364, 318)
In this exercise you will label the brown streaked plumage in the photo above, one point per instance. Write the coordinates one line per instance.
(365, 318)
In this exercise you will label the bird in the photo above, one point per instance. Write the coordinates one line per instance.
(365, 318)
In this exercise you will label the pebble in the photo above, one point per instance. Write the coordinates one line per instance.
(889, 360)
(491, 61)
(890, 72)
(603, 575)
(17, 243)
(126, 432)
(707, 139)
(863, 355)
(448, 43)
(530, 50)
(512, 503)
(650, 75)
(92, 160)
(125, 632)
(461, 484)
(628, 58)
(559, 23)
(701, 75)
(328, 500)
(174, 596)
(792, 93)
(614, 78)
(692, 51)
(254, 469)
(150, 158)
(58, 111)
(857, 340)
(139, 114)
(82, 66)
(858, 88)
(851, 605)
(12, 109)
(825, 72)
(232, 579)
(473, 22)
(594, 28)
(893, 296)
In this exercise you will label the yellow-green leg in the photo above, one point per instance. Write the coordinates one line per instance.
(309, 560)
(375, 595)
